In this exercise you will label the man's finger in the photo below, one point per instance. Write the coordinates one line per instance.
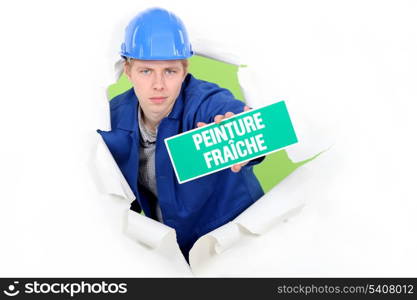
(246, 108)
(218, 118)
(229, 114)
(236, 168)
(201, 124)
(244, 164)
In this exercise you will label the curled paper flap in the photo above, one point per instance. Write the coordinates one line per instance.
(154, 235)
(113, 182)
(214, 243)
(251, 91)
(214, 50)
(279, 204)
(226, 236)
(111, 179)
(202, 250)
(118, 69)
(147, 231)
(313, 138)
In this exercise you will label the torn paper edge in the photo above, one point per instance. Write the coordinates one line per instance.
(109, 175)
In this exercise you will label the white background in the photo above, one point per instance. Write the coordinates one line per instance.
(347, 70)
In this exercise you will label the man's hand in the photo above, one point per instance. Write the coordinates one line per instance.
(217, 119)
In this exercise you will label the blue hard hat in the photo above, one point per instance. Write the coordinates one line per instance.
(156, 34)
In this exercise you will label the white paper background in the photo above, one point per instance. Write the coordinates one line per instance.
(347, 70)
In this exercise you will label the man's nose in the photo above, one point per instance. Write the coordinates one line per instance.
(158, 82)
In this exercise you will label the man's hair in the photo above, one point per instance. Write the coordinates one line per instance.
(184, 62)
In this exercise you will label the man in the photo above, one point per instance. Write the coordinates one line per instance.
(165, 100)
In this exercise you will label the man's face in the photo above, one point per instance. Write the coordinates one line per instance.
(157, 84)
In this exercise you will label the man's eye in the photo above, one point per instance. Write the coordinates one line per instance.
(169, 72)
(145, 72)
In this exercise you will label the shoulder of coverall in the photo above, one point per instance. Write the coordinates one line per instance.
(122, 99)
(123, 109)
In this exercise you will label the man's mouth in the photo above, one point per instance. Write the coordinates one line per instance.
(158, 99)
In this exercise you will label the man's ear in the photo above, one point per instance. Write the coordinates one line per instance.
(185, 73)
(126, 69)
(185, 64)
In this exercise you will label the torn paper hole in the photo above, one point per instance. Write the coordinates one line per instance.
(256, 220)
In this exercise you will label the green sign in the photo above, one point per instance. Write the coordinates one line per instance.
(243, 137)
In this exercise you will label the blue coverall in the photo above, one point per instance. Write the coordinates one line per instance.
(199, 206)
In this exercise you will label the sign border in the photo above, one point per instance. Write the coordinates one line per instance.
(212, 124)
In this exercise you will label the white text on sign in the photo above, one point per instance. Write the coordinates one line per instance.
(228, 132)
